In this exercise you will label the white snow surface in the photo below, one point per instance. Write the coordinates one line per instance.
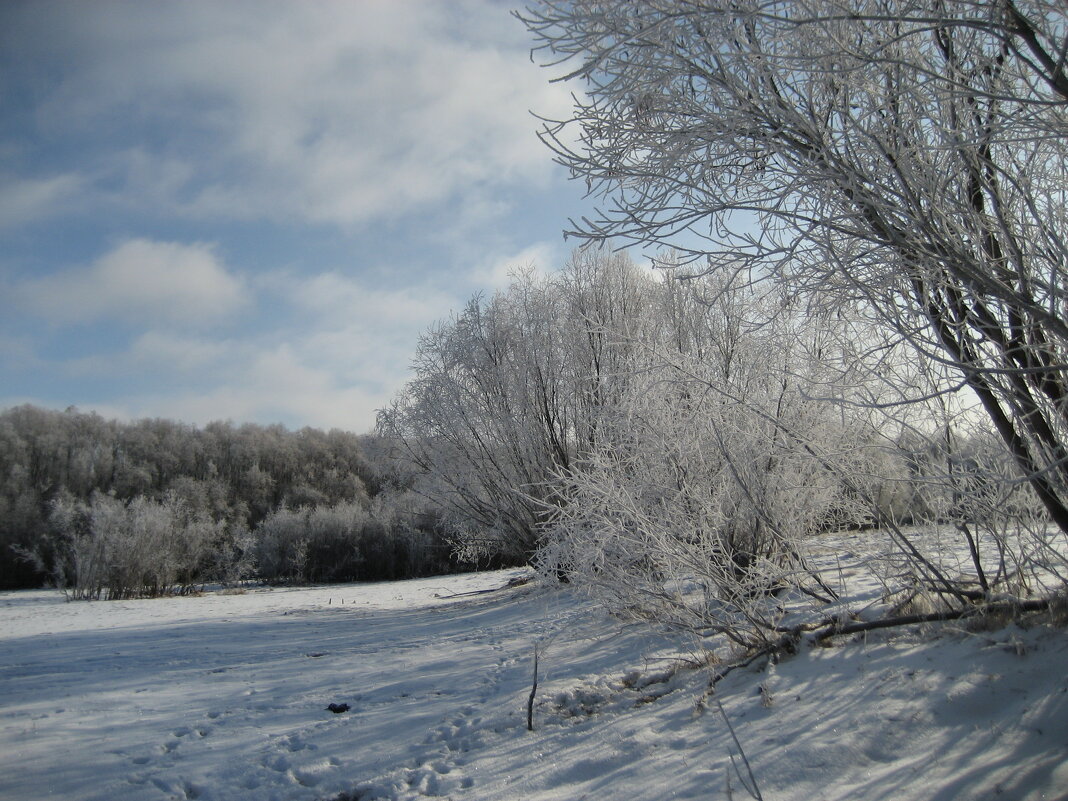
(224, 696)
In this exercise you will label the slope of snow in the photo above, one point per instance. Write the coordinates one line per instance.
(223, 696)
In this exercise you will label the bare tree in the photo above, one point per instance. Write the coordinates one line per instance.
(909, 156)
(465, 421)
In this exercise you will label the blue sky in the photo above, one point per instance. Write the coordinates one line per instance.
(250, 210)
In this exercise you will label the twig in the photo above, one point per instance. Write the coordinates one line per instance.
(533, 692)
(751, 787)
(786, 644)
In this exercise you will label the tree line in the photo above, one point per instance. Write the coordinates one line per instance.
(113, 509)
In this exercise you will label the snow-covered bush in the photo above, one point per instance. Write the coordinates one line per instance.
(965, 486)
(709, 475)
(110, 549)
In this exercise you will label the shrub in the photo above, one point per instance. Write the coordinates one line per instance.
(142, 548)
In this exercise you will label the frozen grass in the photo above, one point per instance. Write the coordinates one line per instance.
(224, 696)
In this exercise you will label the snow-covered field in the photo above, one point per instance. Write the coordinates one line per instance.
(224, 696)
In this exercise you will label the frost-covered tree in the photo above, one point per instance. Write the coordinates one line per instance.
(908, 156)
(512, 389)
(714, 466)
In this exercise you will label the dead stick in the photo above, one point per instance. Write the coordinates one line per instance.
(533, 691)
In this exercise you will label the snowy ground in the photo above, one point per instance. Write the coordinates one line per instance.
(223, 696)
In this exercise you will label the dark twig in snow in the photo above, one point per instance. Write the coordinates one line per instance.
(750, 786)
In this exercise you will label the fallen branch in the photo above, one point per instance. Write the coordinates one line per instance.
(787, 644)
(820, 632)
(836, 627)
(518, 581)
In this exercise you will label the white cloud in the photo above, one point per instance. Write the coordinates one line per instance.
(139, 280)
(340, 351)
(347, 351)
(180, 354)
(396, 121)
(274, 384)
(162, 358)
(362, 335)
(334, 113)
(18, 352)
(294, 381)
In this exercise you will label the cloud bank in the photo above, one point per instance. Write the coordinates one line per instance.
(329, 113)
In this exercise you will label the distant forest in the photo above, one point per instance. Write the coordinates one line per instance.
(109, 509)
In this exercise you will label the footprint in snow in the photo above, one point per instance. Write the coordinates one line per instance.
(277, 762)
(295, 742)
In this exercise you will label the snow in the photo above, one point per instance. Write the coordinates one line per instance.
(224, 696)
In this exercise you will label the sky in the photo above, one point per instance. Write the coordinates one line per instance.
(250, 210)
